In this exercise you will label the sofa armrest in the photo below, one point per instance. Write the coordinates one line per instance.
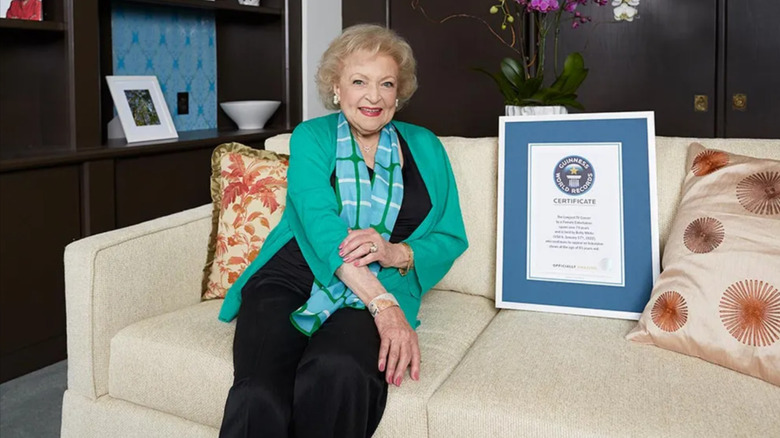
(117, 278)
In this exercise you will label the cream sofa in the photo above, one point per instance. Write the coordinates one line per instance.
(147, 358)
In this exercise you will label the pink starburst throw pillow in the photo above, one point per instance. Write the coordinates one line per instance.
(718, 297)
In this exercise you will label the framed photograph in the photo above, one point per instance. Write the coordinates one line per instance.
(141, 108)
(577, 214)
(22, 9)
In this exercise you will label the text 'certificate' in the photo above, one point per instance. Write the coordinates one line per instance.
(575, 213)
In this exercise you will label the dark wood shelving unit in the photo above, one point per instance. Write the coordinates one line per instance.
(115, 149)
(226, 5)
(34, 78)
(201, 137)
(42, 26)
(62, 180)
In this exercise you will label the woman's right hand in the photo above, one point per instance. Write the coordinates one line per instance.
(399, 347)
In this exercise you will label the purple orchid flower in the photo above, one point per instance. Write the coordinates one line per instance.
(543, 6)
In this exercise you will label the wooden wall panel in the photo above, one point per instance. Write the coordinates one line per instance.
(752, 67)
(97, 197)
(33, 95)
(364, 11)
(452, 98)
(40, 215)
(85, 38)
(293, 78)
(658, 62)
(250, 64)
(154, 186)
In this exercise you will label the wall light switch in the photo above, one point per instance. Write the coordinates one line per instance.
(183, 103)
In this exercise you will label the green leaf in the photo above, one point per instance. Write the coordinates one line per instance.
(531, 102)
(507, 90)
(530, 87)
(513, 72)
(574, 81)
(574, 62)
(573, 74)
(545, 95)
(569, 100)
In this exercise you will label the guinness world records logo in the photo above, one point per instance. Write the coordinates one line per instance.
(574, 175)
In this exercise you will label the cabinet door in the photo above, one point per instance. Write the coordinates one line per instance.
(658, 62)
(752, 65)
(152, 186)
(40, 215)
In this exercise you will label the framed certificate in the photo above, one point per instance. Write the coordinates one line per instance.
(577, 214)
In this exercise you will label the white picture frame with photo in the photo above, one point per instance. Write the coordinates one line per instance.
(141, 107)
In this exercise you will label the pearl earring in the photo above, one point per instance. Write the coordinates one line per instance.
(336, 99)
(396, 103)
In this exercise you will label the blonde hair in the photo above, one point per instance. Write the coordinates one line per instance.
(375, 40)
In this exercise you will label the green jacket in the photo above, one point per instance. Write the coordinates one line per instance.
(311, 216)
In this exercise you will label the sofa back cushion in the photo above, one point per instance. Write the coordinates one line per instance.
(474, 162)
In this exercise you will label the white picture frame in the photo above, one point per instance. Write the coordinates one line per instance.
(630, 137)
(141, 107)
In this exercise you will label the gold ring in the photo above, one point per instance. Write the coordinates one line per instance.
(373, 248)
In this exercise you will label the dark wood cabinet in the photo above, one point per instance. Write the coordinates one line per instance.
(725, 53)
(34, 111)
(751, 98)
(155, 186)
(48, 203)
(40, 215)
(675, 55)
(636, 67)
(61, 179)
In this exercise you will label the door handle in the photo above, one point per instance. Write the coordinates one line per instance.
(739, 102)
(700, 103)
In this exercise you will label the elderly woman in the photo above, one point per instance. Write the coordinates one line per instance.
(327, 311)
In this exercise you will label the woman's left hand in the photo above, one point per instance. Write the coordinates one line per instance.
(356, 249)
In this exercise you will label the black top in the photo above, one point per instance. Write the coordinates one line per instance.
(289, 263)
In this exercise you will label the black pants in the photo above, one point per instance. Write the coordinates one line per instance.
(288, 385)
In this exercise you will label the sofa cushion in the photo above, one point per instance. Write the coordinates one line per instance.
(474, 166)
(718, 297)
(451, 323)
(248, 190)
(542, 374)
(181, 363)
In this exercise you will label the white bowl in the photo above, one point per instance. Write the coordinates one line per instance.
(250, 114)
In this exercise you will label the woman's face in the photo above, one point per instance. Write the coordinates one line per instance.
(367, 90)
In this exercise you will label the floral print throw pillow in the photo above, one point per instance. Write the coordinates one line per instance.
(248, 190)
